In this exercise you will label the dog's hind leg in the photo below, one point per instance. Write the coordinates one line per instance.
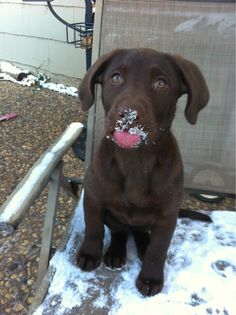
(142, 239)
(115, 255)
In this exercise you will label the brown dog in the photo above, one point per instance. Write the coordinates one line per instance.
(135, 182)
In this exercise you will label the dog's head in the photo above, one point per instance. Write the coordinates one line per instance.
(140, 89)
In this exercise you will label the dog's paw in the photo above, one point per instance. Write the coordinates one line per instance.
(149, 287)
(87, 262)
(114, 260)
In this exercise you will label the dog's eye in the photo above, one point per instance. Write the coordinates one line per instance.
(116, 78)
(160, 84)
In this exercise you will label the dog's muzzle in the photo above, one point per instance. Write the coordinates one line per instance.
(129, 133)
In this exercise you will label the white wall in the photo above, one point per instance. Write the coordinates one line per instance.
(31, 37)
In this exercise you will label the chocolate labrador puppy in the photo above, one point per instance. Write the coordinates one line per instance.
(135, 182)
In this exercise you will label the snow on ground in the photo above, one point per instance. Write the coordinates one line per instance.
(200, 275)
(28, 79)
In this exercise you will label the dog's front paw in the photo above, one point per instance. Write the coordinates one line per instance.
(114, 259)
(149, 287)
(87, 262)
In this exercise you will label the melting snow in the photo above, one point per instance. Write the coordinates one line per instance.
(200, 275)
(138, 130)
(128, 118)
(40, 81)
(125, 123)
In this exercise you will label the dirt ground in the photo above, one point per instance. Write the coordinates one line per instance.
(42, 117)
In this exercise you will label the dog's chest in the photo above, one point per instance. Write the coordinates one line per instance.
(135, 181)
(133, 216)
(136, 204)
(136, 171)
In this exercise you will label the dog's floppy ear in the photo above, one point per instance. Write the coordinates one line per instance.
(194, 85)
(93, 76)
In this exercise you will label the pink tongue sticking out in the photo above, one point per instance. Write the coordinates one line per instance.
(126, 140)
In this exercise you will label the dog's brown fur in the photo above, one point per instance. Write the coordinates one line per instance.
(137, 190)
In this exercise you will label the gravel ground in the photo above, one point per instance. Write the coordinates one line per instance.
(42, 117)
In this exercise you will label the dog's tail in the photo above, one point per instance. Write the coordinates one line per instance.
(195, 215)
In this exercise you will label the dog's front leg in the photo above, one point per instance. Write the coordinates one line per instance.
(151, 277)
(90, 254)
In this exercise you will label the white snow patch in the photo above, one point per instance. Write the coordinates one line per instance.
(39, 81)
(61, 88)
(128, 118)
(138, 130)
(22, 194)
(200, 274)
(8, 67)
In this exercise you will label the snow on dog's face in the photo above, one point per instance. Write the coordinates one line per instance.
(137, 100)
(140, 89)
(127, 134)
